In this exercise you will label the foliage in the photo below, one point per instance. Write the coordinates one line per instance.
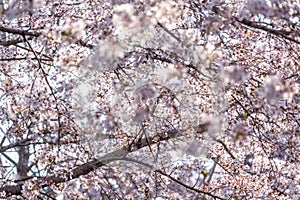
(150, 99)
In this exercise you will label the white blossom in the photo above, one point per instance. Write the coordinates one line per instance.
(168, 73)
(73, 28)
(124, 20)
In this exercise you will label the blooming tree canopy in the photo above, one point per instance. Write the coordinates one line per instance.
(150, 99)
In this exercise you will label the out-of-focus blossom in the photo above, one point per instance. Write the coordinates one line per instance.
(272, 88)
(275, 89)
(202, 54)
(168, 73)
(125, 19)
(106, 54)
(235, 74)
(166, 13)
(145, 92)
(73, 28)
(253, 7)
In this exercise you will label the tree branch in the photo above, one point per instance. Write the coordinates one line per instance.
(187, 186)
(256, 25)
(19, 32)
(93, 164)
(15, 144)
(282, 33)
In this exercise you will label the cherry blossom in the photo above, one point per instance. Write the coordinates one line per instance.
(149, 99)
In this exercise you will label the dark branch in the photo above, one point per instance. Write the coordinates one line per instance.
(13, 42)
(19, 32)
(281, 33)
(256, 25)
(93, 164)
(16, 144)
(187, 186)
